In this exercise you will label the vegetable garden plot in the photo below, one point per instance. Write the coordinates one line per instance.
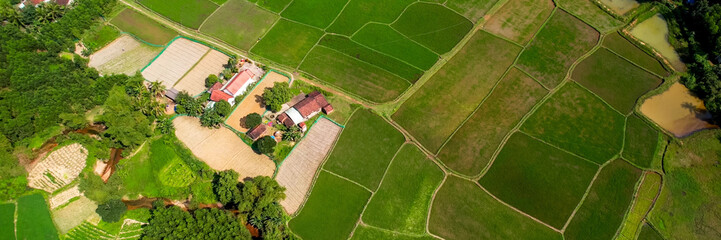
(562, 40)
(617, 81)
(221, 149)
(174, 61)
(298, 169)
(73, 214)
(365, 149)
(59, 168)
(472, 146)
(577, 121)
(462, 210)
(606, 203)
(401, 203)
(526, 172)
(454, 92)
(332, 209)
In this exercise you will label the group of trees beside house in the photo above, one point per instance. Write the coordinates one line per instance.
(695, 31)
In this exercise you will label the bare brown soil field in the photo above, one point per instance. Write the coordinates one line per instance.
(518, 20)
(298, 169)
(194, 80)
(221, 149)
(175, 61)
(678, 111)
(125, 55)
(253, 102)
(64, 165)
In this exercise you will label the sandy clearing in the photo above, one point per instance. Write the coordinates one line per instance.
(74, 214)
(63, 197)
(221, 149)
(253, 102)
(194, 80)
(175, 61)
(113, 50)
(297, 171)
(677, 111)
(64, 165)
(125, 55)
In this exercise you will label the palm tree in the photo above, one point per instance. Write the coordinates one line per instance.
(54, 10)
(156, 88)
(42, 14)
(13, 17)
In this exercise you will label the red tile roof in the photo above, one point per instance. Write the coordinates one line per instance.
(328, 109)
(311, 104)
(217, 95)
(62, 2)
(216, 86)
(285, 119)
(257, 131)
(238, 81)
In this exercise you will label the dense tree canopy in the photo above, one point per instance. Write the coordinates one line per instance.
(226, 187)
(174, 223)
(265, 145)
(252, 120)
(12, 176)
(127, 127)
(188, 105)
(111, 211)
(274, 97)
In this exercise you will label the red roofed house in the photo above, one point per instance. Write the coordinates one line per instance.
(36, 2)
(314, 103)
(257, 131)
(233, 88)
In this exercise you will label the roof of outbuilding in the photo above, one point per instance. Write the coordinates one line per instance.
(313, 103)
(257, 131)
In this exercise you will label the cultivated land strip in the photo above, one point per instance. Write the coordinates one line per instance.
(514, 208)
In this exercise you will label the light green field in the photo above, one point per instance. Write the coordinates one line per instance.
(433, 26)
(642, 203)
(369, 233)
(472, 146)
(247, 21)
(575, 120)
(386, 40)
(297, 40)
(317, 13)
(471, 9)
(527, 171)
(621, 46)
(143, 27)
(275, 6)
(364, 149)
(401, 203)
(464, 81)
(591, 14)
(462, 210)
(359, 12)
(519, 20)
(73, 214)
(332, 209)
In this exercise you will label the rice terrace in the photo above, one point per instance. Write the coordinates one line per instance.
(360, 119)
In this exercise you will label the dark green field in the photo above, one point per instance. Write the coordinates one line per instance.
(433, 26)
(358, 13)
(465, 80)
(249, 23)
(362, 53)
(472, 146)
(462, 210)
(369, 233)
(648, 233)
(386, 40)
(332, 209)
(190, 13)
(621, 46)
(143, 27)
(34, 220)
(528, 171)
(617, 81)
(575, 120)
(353, 75)
(317, 13)
(604, 208)
(401, 203)
(273, 5)
(7, 221)
(471, 9)
(641, 142)
(562, 40)
(364, 149)
(297, 40)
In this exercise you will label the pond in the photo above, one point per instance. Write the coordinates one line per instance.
(620, 7)
(678, 111)
(654, 32)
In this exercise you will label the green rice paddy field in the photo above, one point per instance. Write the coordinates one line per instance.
(33, 218)
(143, 27)
(523, 127)
(7, 221)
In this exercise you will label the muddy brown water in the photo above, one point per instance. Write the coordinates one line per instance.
(678, 111)
(115, 156)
